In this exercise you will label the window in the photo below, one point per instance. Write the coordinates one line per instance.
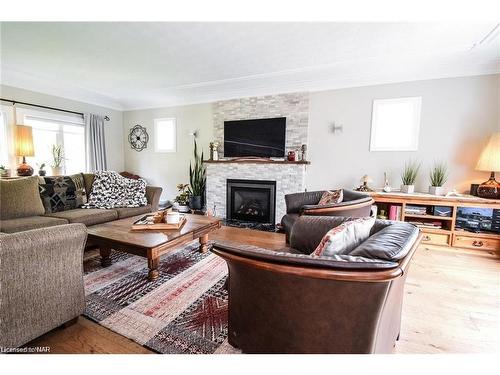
(395, 124)
(4, 147)
(56, 129)
(165, 135)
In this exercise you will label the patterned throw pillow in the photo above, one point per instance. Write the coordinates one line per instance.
(342, 239)
(331, 197)
(110, 190)
(62, 193)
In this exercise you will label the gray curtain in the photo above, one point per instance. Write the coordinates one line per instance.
(96, 146)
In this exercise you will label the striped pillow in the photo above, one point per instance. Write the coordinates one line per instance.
(342, 239)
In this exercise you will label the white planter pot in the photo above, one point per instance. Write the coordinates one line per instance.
(56, 171)
(436, 190)
(407, 189)
(183, 209)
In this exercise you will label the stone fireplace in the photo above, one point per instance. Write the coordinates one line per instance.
(287, 177)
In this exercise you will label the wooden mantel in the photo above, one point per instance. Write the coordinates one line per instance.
(255, 161)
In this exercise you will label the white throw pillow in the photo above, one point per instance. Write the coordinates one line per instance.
(342, 239)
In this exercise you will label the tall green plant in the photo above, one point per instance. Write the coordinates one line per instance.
(439, 174)
(197, 174)
(57, 156)
(410, 173)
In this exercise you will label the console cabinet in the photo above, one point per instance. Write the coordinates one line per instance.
(440, 230)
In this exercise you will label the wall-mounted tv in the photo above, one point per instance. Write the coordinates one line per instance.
(260, 138)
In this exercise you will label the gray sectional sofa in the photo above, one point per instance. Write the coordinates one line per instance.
(21, 207)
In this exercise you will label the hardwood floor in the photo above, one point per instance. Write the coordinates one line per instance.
(452, 304)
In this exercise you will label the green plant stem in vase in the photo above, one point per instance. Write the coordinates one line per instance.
(438, 177)
(409, 176)
(57, 159)
(197, 180)
(182, 199)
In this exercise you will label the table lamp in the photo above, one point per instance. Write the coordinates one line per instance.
(489, 161)
(24, 147)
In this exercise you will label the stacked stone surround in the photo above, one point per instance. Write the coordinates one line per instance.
(295, 107)
(290, 178)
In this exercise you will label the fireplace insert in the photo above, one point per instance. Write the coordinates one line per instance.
(250, 200)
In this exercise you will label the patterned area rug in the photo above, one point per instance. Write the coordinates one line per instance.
(183, 311)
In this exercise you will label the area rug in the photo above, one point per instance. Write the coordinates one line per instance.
(183, 311)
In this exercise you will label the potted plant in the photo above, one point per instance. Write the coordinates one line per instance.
(409, 176)
(438, 177)
(197, 180)
(57, 159)
(41, 171)
(4, 172)
(182, 199)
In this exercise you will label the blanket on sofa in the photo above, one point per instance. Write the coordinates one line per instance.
(110, 190)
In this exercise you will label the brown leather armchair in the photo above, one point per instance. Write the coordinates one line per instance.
(290, 302)
(354, 204)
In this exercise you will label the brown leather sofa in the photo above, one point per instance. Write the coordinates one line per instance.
(354, 204)
(290, 302)
(22, 208)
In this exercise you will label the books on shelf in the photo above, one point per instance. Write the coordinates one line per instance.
(427, 224)
(395, 212)
(415, 210)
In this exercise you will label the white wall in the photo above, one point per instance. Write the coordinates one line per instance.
(113, 128)
(168, 169)
(458, 116)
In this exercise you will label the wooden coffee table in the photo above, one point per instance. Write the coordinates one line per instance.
(149, 244)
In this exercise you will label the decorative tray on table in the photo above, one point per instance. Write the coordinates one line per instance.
(153, 222)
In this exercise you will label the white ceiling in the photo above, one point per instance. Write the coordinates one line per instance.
(141, 65)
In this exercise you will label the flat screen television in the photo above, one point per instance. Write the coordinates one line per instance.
(261, 138)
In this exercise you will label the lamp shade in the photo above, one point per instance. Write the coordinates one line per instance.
(489, 161)
(24, 141)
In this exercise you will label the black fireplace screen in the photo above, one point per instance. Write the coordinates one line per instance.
(250, 200)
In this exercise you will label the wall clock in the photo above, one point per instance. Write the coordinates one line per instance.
(138, 138)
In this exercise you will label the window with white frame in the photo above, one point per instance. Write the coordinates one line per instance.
(51, 129)
(165, 139)
(395, 124)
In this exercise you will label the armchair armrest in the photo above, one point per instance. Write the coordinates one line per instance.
(343, 268)
(41, 274)
(345, 208)
(153, 194)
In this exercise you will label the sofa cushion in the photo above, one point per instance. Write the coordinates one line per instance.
(88, 179)
(331, 197)
(86, 216)
(390, 243)
(62, 193)
(132, 211)
(31, 222)
(110, 190)
(341, 239)
(20, 198)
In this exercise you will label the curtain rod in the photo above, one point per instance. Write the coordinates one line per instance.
(45, 107)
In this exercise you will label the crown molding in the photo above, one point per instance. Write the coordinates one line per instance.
(345, 74)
